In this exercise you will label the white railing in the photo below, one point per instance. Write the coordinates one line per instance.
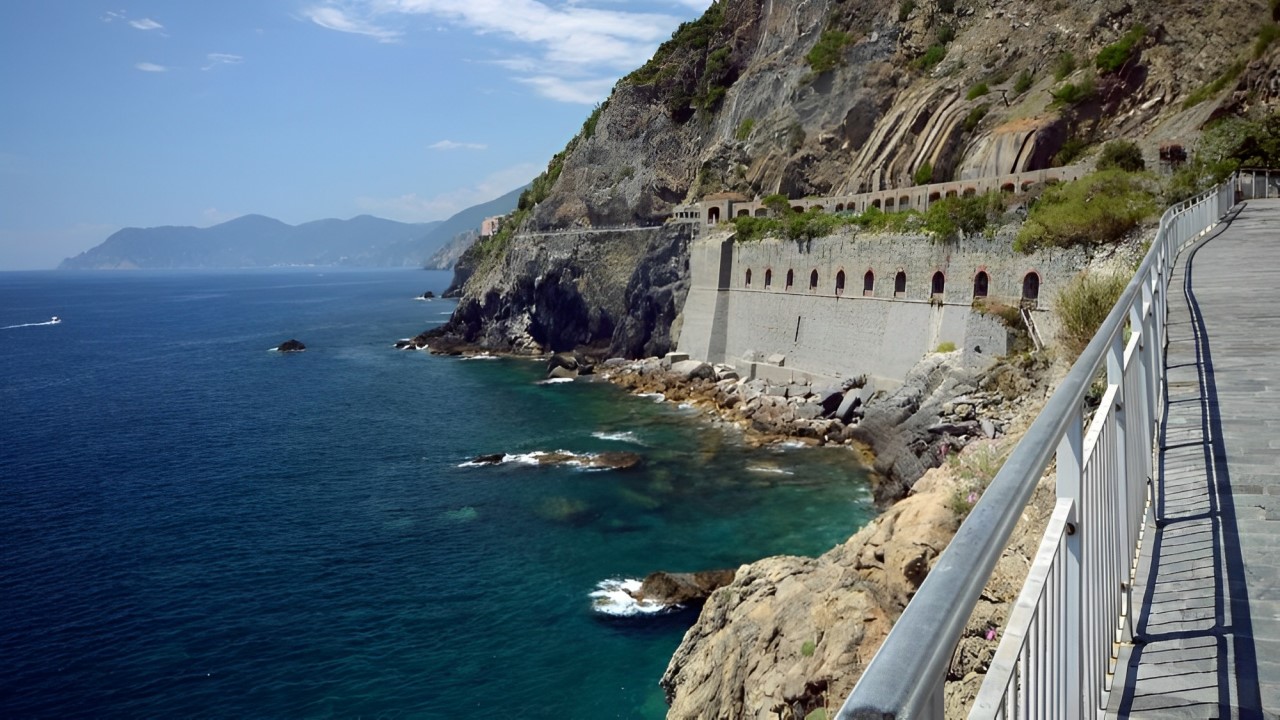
(1059, 645)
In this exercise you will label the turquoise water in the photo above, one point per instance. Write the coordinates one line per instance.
(196, 526)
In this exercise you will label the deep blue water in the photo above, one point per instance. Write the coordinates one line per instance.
(193, 526)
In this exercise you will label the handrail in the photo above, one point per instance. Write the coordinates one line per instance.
(905, 677)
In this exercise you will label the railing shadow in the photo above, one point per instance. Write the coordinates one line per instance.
(1194, 630)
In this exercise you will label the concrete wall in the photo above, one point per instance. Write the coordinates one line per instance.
(826, 333)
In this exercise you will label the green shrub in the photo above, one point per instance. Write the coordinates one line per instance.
(810, 225)
(975, 116)
(1083, 304)
(924, 174)
(945, 34)
(808, 647)
(931, 57)
(1073, 93)
(754, 228)
(945, 346)
(1219, 83)
(695, 34)
(589, 126)
(971, 214)
(947, 6)
(905, 8)
(745, 128)
(1071, 150)
(1114, 56)
(828, 52)
(1023, 83)
(778, 203)
(1064, 66)
(1267, 34)
(1096, 209)
(977, 91)
(1121, 155)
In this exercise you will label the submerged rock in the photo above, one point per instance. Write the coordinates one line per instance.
(291, 346)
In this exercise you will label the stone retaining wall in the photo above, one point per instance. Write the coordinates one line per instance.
(814, 328)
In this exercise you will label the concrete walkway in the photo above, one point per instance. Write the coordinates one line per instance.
(1208, 585)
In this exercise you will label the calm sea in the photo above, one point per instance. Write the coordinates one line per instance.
(192, 525)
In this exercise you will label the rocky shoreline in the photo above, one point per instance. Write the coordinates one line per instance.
(792, 634)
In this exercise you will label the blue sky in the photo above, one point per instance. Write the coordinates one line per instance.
(192, 113)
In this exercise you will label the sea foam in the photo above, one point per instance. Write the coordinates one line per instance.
(626, 437)
(613, 597)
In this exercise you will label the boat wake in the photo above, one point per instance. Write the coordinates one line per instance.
(55, 320)
(554, 381)
(613, 597)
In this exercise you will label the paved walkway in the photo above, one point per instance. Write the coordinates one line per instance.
(1208, 586)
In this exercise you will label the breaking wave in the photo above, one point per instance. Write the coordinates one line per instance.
(613, 597)
(626, 437)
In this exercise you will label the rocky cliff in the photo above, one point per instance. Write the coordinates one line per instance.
(826, 96)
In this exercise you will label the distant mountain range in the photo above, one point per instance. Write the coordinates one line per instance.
(254, 241)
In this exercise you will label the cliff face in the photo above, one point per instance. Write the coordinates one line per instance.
(827, 96)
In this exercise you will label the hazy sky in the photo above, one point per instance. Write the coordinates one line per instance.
(191, 113)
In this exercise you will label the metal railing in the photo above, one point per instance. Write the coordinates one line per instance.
(1058, 645)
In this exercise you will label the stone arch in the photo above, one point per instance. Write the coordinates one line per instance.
(970, 192)
(713, 215)
(768, 278)
(1031, 287)
(839, 207)
(818, 208)
(1026, 185)
(981, 283)
(951, 193)
(744, 212)
(900, 284)
(813, 279)
(876, 203)
(904, 202)
(1007, 188)
(798, 208)
(869, 284)
(888, 204)
(748, 279)
(938, 284)
(840, 282)
(791, 278)
(762, 212)
(935, 196)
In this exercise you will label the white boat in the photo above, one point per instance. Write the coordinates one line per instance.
(55, 320)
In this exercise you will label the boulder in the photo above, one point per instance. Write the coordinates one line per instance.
(693, 370)
(428, 295)
(562, 365)
(559, 372)
(291, 345)
(669, 588)
(830, 399)
(851, 400)
(672, 358)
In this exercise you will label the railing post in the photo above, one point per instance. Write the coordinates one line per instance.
(1070, 485)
